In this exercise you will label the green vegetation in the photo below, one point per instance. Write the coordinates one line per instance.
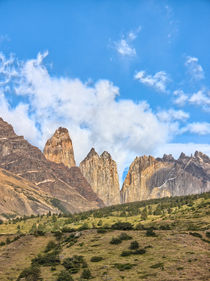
(159, 239)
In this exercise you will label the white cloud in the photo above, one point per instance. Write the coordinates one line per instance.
(92, 114)
(158, 81)
(172, 115)
(200, 99)
(200, 128)
(181, 97)
(124, 49)
(194, 68)
(124, 45)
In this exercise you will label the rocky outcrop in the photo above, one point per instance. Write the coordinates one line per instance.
(101, 173)
(154, 178)
(20, 197)
(59, 148)
(72, 191)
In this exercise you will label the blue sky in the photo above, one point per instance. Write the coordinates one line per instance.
(131, 77)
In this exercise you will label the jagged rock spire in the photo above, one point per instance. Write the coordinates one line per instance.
(59, 148)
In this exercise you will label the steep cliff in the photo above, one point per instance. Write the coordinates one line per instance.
(59, 148)
(21, 197)
(154, 178)
(101, 173)
(71, 190)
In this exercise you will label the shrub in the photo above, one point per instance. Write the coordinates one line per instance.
(32, 273)
(96, 259)
(73, 264)
(208, 234)
(115, 240)
(126, 253)
(2, 243)
(86, 274)
(51, 245)
(150, 232)
(101, 230)
(122, 226)
(64, 276)
(139, 252)
(48, 259)
(123, 266)
(165, 227)
(134, 245)
(158, 265)
(196, 234)
(125, 236)
(139, 226)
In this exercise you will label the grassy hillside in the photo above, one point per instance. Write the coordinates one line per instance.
(160, 239)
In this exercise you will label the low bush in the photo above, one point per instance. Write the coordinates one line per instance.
(139, 252)
(196, 234)
(126, 253)
(74, 264)
(208, 234)
(115, 240)
(134, 245)
(64, 275)
(48, 259)
(150, 232)
(32, 273)
(123, 266)
(51, 245)
(125, 236)
(158, 265)
(96, 259)
(122, 226)
(86, 274)
(101, 230)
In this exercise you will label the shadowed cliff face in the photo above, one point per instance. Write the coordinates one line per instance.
(59, 148)
(101, 173)
(67, 185)
(154, 178)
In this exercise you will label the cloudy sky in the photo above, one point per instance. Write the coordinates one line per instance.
(129, 77)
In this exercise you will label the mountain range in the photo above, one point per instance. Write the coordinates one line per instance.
(36, 182)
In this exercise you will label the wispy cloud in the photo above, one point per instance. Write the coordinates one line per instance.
(158, 81)
(173, 115)
(200, 128)
(181, 97)
(124, 45)
(200, 99)
(194, 68)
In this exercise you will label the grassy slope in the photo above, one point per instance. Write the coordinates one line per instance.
(180, 255)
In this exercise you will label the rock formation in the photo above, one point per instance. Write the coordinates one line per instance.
(154, 178)
(71, 190)
(21, 197)
(101, 173)
(59, 148)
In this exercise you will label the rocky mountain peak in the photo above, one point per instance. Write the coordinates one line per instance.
(59, 148)
(101, 173)
(6, 129)
(168, 158)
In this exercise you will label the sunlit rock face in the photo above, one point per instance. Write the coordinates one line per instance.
(101, 173)
(71, 190)
(59, 148)
(154, 178)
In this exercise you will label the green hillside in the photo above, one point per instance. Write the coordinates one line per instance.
(160, 239)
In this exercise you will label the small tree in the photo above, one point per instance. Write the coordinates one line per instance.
(144, 214)
(86, 274)
(134, 245)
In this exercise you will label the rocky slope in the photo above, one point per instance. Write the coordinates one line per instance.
(101, 173)
(71, 190)
(154, 178)
(59, 148)
(21, 197)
